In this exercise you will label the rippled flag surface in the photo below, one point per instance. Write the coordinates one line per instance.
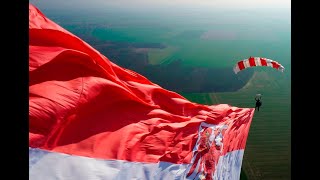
(92, 119)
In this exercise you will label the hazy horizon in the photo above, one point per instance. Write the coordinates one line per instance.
(171, 4)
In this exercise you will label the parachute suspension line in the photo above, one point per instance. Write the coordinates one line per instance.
(239, 79)
(277, 83)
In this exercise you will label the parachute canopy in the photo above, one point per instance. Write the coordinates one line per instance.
(257, 61)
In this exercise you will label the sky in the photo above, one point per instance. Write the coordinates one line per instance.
(238, 4)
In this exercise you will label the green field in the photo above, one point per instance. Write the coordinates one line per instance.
(195, 51)
(158, 56)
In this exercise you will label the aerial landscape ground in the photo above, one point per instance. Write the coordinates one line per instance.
(194, 54)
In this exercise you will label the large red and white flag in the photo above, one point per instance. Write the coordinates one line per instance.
(91, 119)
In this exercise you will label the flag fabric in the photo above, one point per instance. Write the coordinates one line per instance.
(92, 119)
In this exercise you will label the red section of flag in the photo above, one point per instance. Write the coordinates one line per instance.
(83, 104)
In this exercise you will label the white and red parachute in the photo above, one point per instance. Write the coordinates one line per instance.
(257, 61)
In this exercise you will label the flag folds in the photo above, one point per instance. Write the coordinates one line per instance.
(92, 119)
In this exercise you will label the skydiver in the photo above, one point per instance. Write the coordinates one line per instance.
(258, 102)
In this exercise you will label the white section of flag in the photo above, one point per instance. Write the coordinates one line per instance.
(45, 165)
